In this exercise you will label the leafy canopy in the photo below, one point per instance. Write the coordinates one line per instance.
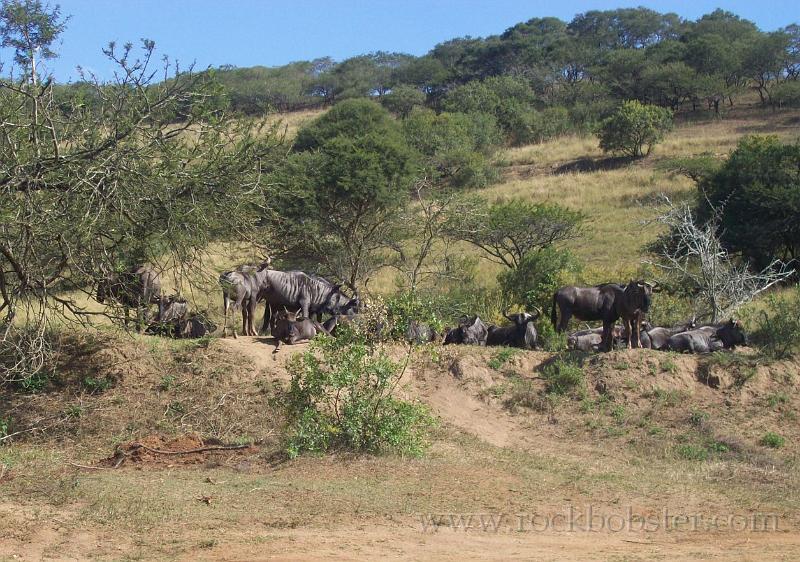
(634, 129)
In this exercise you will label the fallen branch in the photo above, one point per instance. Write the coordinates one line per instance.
(10, 435)
(89, 467)
(135, 446)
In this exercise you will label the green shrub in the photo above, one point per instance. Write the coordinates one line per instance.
(777, 327)
(404, 308)
(634, 129)
(341, 396)
(692, 452)
(501, 357)
(97, 384)
(549, 339)
(772, 440)
(787, 94)
(563, 375)
(538, 275)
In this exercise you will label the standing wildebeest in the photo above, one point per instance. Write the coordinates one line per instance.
(241, 288)
(470, 331)
(659, 337)
(297, 290)
(288, 329)
(709, 338)
(134, 288)
(605, 302)
(521, 333)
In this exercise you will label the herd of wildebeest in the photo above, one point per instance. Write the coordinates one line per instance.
(298, 306)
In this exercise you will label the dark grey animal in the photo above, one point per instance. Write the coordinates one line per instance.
(623, 339)
(286, 328)
(297, 290)
(349, 313)
(241, 288)
(709, 338)
(585, 340)
(136, 288)
(591, 338)
(606, 302)
(470, 331)
(195, 325)
(521, 333)
(175, 320)
(659, 337)
(420, 333)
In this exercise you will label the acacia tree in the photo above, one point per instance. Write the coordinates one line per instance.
(507, 231)
(149, 172)
(336, 198)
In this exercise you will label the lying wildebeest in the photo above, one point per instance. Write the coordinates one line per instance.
(624, 338)
(175, 320)
(659, 337)
(241, 288)
(420, 333)
(195, 325)
(606, 302)
(521, 333)
(470, 331)
(297, 290)
(135, 288)
(709, 338)
(591, 338)
(286, 328)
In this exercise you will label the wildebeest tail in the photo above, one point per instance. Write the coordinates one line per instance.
(553, 317)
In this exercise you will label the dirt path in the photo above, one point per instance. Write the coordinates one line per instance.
(397, 541)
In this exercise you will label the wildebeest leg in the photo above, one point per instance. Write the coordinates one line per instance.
(226, 304)
(266, 328)
(245, 318)
(563, 322)
(304, 306)
(607, 342)
(629, 330)
(252, 316)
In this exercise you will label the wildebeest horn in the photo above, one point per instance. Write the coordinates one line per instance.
(538, 311)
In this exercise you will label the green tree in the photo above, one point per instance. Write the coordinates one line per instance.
(758, 190)
(402, 99)
(456, 148)
(508, 231)
(30, 28)
(539, 274)
(634, 129)
(336, 197)
(510, 100)
(85, 190)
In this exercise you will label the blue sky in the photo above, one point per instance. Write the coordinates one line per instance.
(275, 32)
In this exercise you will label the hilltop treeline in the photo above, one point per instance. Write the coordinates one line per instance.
(585, 66)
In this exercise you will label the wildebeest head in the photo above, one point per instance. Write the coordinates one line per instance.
(522, 318)
(470, 330)
(337, 302)
(639, 295)
(732, 334)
